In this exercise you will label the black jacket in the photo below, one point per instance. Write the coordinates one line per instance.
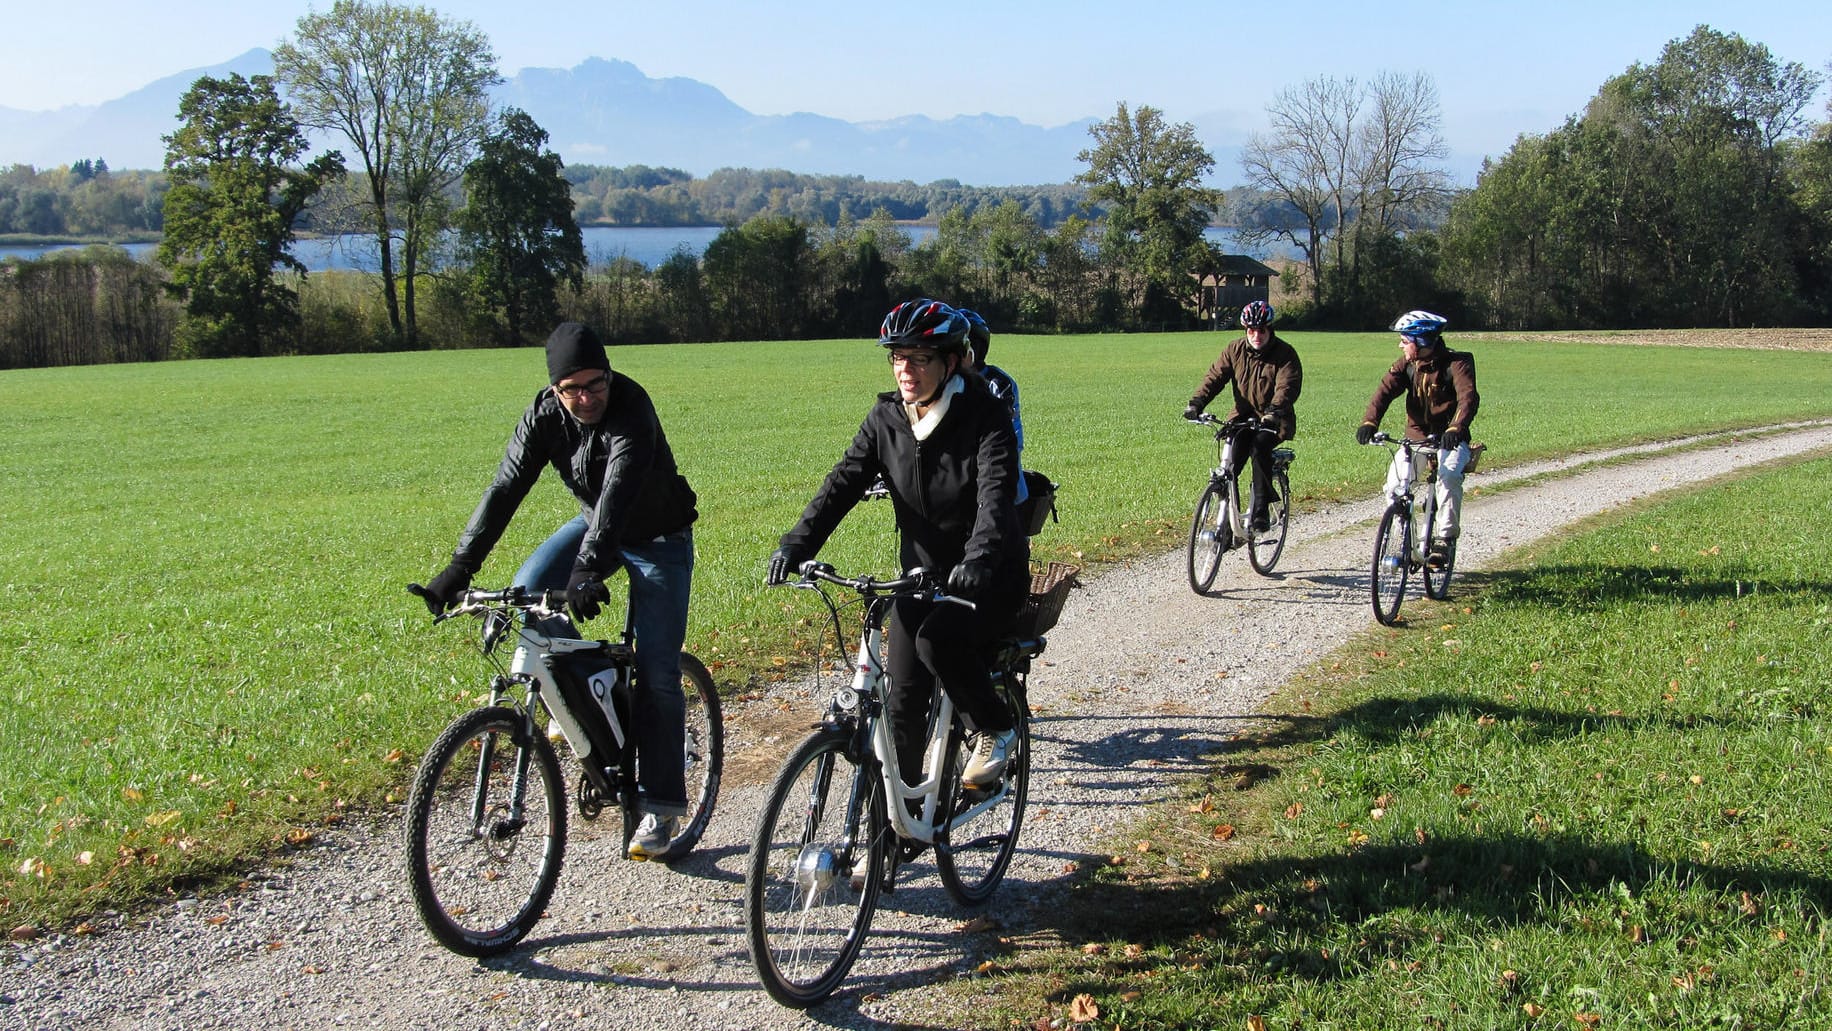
(621, 470)
(953, 494)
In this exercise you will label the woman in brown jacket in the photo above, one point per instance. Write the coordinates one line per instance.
(1441, 400)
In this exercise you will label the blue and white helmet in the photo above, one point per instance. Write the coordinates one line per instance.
(1423, 325)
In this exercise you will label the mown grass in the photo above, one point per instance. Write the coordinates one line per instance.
(211, 651)
(1587, 792)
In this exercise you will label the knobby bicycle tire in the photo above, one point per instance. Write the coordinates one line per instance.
(1391, 562)
(705, 756)
(816, 868)
(1208, 536)
(972, 855)
(479, 877)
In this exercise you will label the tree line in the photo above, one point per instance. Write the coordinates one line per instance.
(1692, 191)
(86, 200)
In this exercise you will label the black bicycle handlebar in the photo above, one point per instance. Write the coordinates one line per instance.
(541, 602)
(1382, 438)
(915, 583)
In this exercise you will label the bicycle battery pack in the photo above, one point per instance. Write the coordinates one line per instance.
(595, 690)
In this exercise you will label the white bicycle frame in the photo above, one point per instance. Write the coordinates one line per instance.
(868, 680)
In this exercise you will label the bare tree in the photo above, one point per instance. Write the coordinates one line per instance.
(409, 89)
(1347, 162)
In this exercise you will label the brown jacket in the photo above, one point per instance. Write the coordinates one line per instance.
(1440, 393)
(1263, 380)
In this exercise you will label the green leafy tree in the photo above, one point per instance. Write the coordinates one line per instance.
(1148, 173)
(229, 214)
(1666, 203)
(409, 90)
(516, 231)
(759, 278)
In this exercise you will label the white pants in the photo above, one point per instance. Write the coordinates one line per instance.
(1451, 463)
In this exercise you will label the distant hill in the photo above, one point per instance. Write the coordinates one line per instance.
(605, 112)
(609, 113)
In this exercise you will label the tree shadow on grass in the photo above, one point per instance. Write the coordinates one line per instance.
(1592, 587)
(1276, 912)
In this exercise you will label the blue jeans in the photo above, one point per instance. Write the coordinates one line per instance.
(661, 581)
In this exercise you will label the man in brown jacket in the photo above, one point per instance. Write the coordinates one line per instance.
(1267, 377)
(1440, 389)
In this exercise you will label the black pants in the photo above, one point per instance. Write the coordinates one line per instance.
(952, 643)
(1259, 445)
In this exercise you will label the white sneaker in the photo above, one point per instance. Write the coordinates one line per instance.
(653, 835)
(990, 754)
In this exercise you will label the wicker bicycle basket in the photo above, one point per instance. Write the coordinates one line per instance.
(1048, 591)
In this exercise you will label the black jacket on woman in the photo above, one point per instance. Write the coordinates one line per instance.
(954, 494)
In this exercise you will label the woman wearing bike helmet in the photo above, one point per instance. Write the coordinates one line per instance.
(1267, 379)
(1440, 389)
(943, 445)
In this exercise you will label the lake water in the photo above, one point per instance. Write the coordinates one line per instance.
(651, 246)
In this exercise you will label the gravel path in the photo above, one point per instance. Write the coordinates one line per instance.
(330, 940)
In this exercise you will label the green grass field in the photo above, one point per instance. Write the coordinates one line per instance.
(1590, 792)
(212, 651)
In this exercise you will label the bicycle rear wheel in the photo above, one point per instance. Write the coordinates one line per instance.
(1265, 546)
(481, 864)
(1391, 562)
(705, 746)
(974, 850)
(1208, 536)
(816, 867)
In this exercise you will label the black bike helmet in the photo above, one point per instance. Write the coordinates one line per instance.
(1256, 313)
(924, 323)
(979, 335)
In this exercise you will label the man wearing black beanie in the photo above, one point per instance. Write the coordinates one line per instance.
(599, 432)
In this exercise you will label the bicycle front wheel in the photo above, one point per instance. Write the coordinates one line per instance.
(486, 831)
(1437, 578)
(705, 747)
(975, 847)
(1265, 546)
(1208, 536)
(1391, 562)
(816, 867)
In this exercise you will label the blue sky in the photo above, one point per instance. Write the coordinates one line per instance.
(1502, 68)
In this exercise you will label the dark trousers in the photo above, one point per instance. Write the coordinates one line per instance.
(953, 644)
(1259, 445)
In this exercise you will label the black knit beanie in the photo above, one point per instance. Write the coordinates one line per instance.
(571, 347)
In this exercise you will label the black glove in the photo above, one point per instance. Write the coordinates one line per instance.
(585, 592)
(443, 590)
(970, 579)
(1192, 412)
(1365, 433)
(1452, 439)
(783, 564)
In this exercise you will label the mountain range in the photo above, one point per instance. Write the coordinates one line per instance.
(607, 112)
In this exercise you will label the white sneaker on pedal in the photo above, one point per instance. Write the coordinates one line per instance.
(990, 754)
(653, 835)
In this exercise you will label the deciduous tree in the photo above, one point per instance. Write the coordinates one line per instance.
(408, 88)
(230, 212)
(516, 231)
(1149, 174)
